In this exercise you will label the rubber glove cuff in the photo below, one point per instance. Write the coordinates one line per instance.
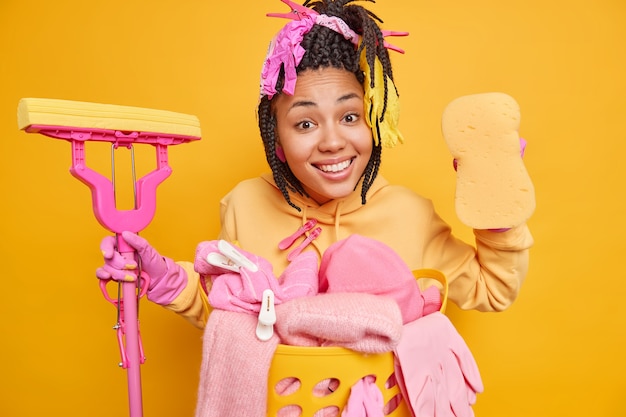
(167, 279)
(166, 288)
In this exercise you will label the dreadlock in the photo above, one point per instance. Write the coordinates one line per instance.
(327, 48)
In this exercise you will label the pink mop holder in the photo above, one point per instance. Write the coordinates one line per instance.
(117, 221)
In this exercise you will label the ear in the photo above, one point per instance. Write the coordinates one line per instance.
(280, 153)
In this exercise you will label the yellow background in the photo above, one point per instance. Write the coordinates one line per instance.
(559, 350)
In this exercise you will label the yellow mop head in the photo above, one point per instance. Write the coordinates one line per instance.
(32, 112)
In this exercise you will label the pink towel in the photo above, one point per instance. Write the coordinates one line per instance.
(361, 264)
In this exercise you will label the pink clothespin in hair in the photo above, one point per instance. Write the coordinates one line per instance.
(393, 33)
(297, 11)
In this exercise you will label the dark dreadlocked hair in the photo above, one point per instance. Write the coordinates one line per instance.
(327, 48)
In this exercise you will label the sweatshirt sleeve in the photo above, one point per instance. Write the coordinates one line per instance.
(487, 277)
(192, 303)
(503, 264)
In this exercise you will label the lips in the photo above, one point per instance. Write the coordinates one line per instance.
(332, 168)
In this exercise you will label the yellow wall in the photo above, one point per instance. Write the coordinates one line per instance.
(558, 351)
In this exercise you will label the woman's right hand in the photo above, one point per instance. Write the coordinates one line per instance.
(166, 278)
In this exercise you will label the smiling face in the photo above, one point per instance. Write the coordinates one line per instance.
(323, 132)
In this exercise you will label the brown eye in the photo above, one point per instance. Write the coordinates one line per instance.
(305, 125)
(351, 118)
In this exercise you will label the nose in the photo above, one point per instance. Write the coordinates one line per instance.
(332, 140)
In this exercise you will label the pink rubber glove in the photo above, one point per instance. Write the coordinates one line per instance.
(242, 291)
(439, 375)
(167, 279)
(365, 400)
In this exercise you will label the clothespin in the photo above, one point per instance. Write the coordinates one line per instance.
(393, 33)
(312, 236)
(230, 258)
(267, 317)
(298, 12)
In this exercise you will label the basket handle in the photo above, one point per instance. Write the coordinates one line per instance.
(437, 276)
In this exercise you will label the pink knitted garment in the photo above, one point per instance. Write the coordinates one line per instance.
(361, 322)
(235, 365)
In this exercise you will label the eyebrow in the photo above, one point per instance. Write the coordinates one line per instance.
(306, 103)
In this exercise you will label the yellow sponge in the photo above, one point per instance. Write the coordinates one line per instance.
(55, 112)
(493, 188)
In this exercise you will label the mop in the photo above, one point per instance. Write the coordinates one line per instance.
(123, 126)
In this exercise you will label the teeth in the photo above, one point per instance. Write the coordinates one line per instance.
(335, 167)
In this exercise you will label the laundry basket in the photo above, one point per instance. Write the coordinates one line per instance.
(305, 369)
(309, 366)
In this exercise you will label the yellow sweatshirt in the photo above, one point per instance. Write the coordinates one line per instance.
(486, 276)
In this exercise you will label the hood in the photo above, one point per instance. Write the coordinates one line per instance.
(330, 213)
